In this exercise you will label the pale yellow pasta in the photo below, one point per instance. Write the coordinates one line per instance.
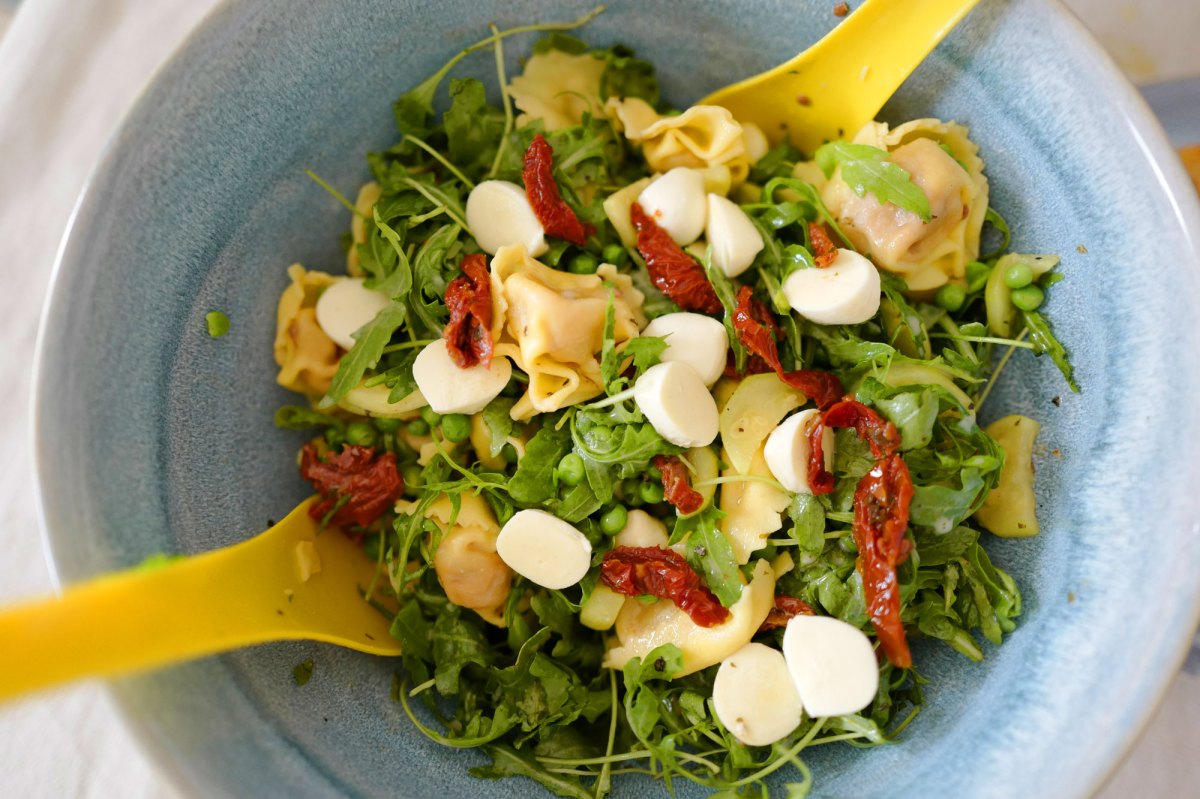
(927, 254)
(551, 324)
(753, 508)
(307, 358)
(702, 136)
(558, 88)
(364, 204)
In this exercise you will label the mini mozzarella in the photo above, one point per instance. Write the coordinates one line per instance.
(642, 530)
(755, 141)
(677, 404)
(544, 549)
(450, 389)
(695, 339)
(754, 696)
(788, 449)
(731, 235)
(344, 307)
(676, 202)
(832, 664)
(844, 293)
(499, 214)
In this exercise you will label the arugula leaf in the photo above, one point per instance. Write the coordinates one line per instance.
(398, 283)
(473, 128)
(291, 417)
(497, 419)
(998, 222)
(367, 349)
(627, 76)
(533, 482)
(727, 294)
(457, 641)
(914, 414)
(1045, 343)
(867, 169)
(508, 762)
(943, 507)
(710, 553)
(808, 523)
(429, 275)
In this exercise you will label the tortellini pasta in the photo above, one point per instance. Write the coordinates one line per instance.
(753, 508)
(368, 195)
(945, 164)
(558, 88)
(467, 566)
(702, 136)
(551, 324)
(307, 358)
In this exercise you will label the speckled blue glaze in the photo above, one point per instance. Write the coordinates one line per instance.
(154, 437)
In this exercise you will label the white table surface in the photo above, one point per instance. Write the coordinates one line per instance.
(68, 71)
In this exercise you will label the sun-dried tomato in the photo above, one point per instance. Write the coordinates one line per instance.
(468, 334)
(677, 486)
(879, 433)
(672, 270)
(785, 608)
(824, 250)
(361, 485)
(636, 571)
(881, 504)
(552, 210)
(756, 329)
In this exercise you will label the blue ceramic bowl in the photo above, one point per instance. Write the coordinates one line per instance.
(154, 437)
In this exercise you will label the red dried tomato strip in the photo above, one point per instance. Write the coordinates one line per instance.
(634, 571)
(881, 504)
(468, 334)
(552, 210)
(364, 484)
(824, 250)
(672, 270)
(756, 329)
(870, 426)
(677, 485)
(785, 608)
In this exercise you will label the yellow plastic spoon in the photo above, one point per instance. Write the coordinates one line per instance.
(249, 593)
(839, 84)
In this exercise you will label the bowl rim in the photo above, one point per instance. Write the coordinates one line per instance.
(1134, 110)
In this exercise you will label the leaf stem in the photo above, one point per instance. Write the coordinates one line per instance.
(999, 368)
(337, 195)
(507, 101)
(441, 159)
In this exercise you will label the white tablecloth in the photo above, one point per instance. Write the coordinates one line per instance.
(68, 71)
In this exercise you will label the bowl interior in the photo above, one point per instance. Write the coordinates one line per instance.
(154, 437)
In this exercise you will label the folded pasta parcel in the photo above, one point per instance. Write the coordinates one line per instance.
(551, 324)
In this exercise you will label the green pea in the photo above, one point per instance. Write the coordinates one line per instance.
(1018, 276)
(418, 427)
(977, 275)
(651, 493)
(570, 470)
(615, 254)
(631, 491)
(1028, 298)
(654, 472)
(613, 521)
(361, 434)
(951, 297)
(412, 479)
(334, 438)
(387, 425)
(456, 427)
(430, 417)
(583, 264)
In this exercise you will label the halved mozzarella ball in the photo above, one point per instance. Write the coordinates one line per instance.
(450, 389)
(832, 664)
(754, 696)
(755, 141)
(344, 307)
(642, 530)
(544, 549)
(788, 449)
(675, 200)
(844, 293)
(731, 235)
(499, 214)
(677, 404)
(695, 339)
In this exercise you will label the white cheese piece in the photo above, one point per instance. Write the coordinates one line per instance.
(695, 339)
(676, 203)
(754, 696)
(343, 308)
(755, 141)
(787, 450)
(544, 549)
(450, 389)
(844, 293)
(731, 235)
(832, 664)
(677, 404)
(642, 530)
(499, 214)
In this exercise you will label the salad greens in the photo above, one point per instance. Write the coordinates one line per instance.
(534, 694)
